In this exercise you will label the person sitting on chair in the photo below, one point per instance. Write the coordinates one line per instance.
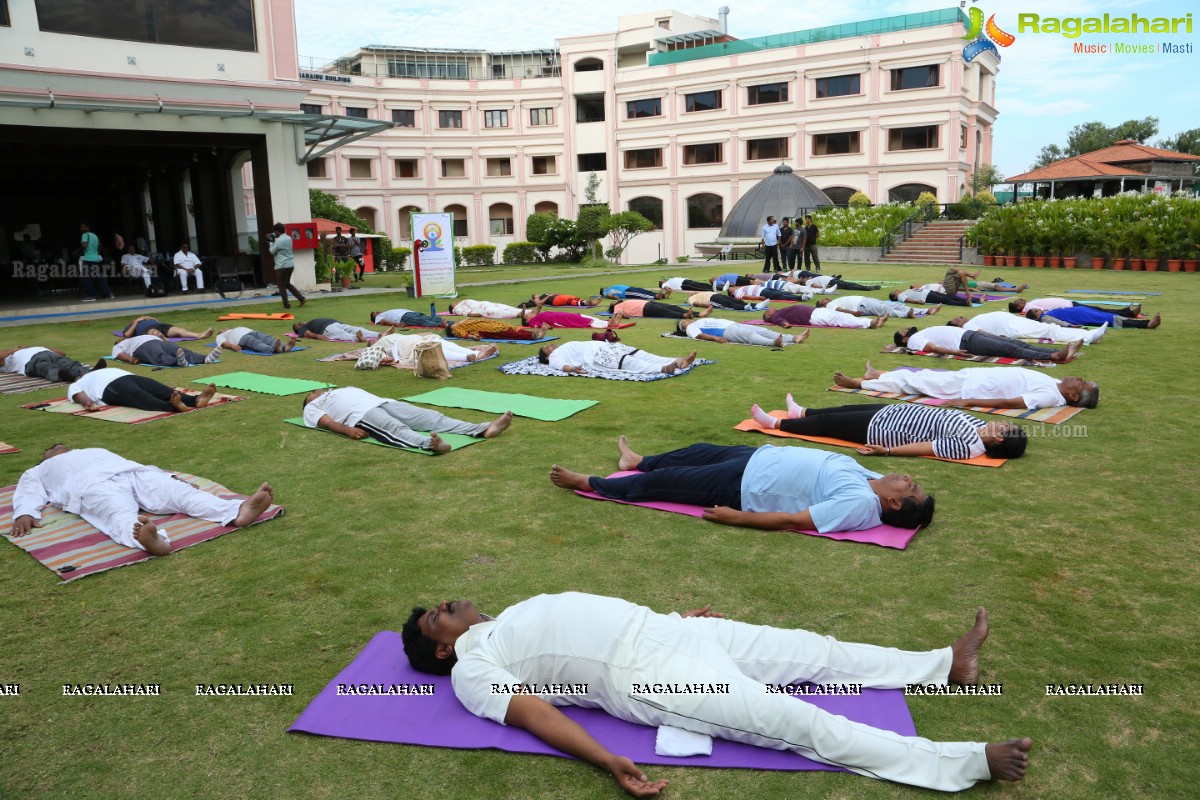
(188, 264)
(136, 265)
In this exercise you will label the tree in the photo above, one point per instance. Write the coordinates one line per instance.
(1092, 136)
(537, 228)
(1048, 155)
(621, 228)
(588, 223)
(326, 206)
(1185, 142)
(985, 177)
(592, 187)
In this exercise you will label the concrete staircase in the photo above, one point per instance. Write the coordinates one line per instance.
(935, 243)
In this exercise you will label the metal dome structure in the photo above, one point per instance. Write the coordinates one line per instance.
(779, 196)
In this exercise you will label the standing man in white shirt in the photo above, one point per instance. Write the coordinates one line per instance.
(770, 242)
(187, 264)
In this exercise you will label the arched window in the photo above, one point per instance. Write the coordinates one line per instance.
(839, 195)
(368, 215)
(649, 207)
(589, 65)
(908, 192)
(546, 207)
(460, 222)
(500, 219)
(406, 233)
(705, 211)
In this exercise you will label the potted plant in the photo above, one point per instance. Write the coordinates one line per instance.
(1069, 241)
(1137, 244)
(1191, 253)
(1119, 241)
(1152, 250)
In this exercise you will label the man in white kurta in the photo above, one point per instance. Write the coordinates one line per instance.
(1002, 323)
(400, 348)
(726, 330)
(484, 308)
(188, 263)
(998, 387)
(602, 652)
(110, 492)
(580, 357)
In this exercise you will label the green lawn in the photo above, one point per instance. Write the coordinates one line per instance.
(1081, 551)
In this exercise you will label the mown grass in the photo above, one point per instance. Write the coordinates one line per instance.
(1083, 552)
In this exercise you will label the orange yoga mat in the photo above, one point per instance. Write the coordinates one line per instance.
(753, 427)
(256, 316)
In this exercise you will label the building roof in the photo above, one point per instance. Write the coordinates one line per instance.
(778, 195)
(326, 227)
(1104, 163)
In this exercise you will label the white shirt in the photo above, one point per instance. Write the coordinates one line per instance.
(913, 295)
(127, 346)
(17, 362)
(62, 480)
(93, 383)
(486, 308)
(674, 284)
(946, 336)
(996, 383)
(232, 336)
(401, 347)
(770, 235)
(1003, 323)
(575, 354)
(134, 261)
(569, 638)
(394, 317)
(713, 327)
(188, 260)
(819, 282)
(346, 405)
(850, 304)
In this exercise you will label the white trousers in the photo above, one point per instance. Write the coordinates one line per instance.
(113, 505)
(828, 318)
(719, 651)
(641, 362)
(140, 271)
(928, 382)
(455, 351)
(183, 278)
(749, 334)
(339, 331)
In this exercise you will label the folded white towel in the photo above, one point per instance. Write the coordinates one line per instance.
(678, 742)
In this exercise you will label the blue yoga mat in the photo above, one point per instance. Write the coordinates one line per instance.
(1104, 291)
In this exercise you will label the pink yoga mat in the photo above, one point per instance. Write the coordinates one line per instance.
(882, 535)
(437, 719)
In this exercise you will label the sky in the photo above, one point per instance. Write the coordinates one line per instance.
(1043, 90)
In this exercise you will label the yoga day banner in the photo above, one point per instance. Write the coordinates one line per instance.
(433, 262)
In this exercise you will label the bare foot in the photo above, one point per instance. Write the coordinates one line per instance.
(688, 314)
(870, 373)
(1022, 287)
(846, 382)
(498, 426)
(628, 459)
(206, 396)
(1154, 323)
(964, 669)
(878, 322)
(389, 330)
(254, 505)
(565, 479)
(707, 310)
(177, 402)
(933, 310)
(797, 338)
(1136, 309)
(1067, 353)
(684, 363)
(616, 320)
(358, 336)
(779, 341)
(146, 533)
(438, 445)
(1008, 761)
(207, 333)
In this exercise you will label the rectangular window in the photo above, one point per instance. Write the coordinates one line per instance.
(839, 86)
(310, 108)
(915, 77)
(316, 168)
(498, 167)
(454, 168)
(541, 116)
(593, 162)
(460, 228)
(962, 136)
(501, 227)
(763, 149)
(215, 24)
(356, 113)
(449, 119)
(924, 137)
(495, 119)
(643, 159)
(544, 165)
(406, 168)
(404, 117)
(702, 101)
(703, 154)
(651, 107)
(589, 108)
(828, 144)
(361, 168)
(766, 93)
(4, 21)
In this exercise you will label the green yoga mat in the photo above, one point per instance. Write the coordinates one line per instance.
(456, 440)
(265, 384)
(547, 409)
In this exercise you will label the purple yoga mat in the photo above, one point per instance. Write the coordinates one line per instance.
(439, 720)
(882, 535)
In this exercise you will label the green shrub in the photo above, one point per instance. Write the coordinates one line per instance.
(682, 259)
(859, 200)
(925, 199)
(479, 255)
(522, 253)
(399, 257)
(458, 256)
(986, 198)
(859, 227)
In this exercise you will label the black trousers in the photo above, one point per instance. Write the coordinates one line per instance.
(137, 391)
(162, 354)
(725, 301)
(946, 299)
(701, 474)
(849, 423)
(283, 279)
(655, 309)
(811, 258)
(981, 343)
(690, 285)
(772, 255)
(851, 285)
(53, 367)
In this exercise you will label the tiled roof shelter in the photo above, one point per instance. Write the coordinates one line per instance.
(1124, 166)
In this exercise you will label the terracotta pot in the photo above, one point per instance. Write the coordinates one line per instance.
(1151, 264)
(1190, 264)
(1118, 263)
(1026, 261)
(1069, 262)
(1098, 262)
(1005, 261)
(1055, 262)
(989, 261)
(1039, 261)
(1135, 264)
(346, 281)
(1173, 264)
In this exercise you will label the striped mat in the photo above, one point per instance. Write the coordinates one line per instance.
(1012, 362)
(5, 449)
(73, 549)
(15, 384)
(1051, 415)
(124, 414)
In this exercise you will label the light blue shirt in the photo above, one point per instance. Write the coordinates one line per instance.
(832, 487)
(770, 235)
(617, 289)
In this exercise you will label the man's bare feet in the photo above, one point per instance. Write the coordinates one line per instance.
(870, 373)
(1068, 353)
(254, 505)
(484, 351)
(498, 426)
(617, 319)
(964, 668)
(146, 532)
(707, 310)
(177, 402)
(438, 445)
(688, 314)
(628, 459)
(358, 336)
(684, 363)
(779, 341)
(1022, 287)
(1008, 761)
(797, 338)
(878, 322)
(207, 333)
(1154, 323)
(933, 310)
(565, 479)
(1136, 309)
(846, 382)
(206, 396)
